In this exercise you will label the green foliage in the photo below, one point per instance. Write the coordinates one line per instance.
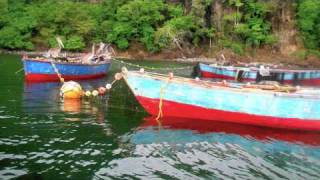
(148, 37)
(136, 20)
(65, 19)
(301, 54)
(157, 24)
(176, 28)
(252, 25)
(255, 31)
(120, 30)
(11, 38)
(43, 20)
(309, 22)
(3, 12)
(175, 11)
(75, 43)
(314, 52)
(232, 17)
(122, 43)
(16, 27)
(304, 54)
(234, 46)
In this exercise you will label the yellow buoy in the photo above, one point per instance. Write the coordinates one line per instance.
(71, 90)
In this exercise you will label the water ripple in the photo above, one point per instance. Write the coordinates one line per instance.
(45, 137)
(233, 158)
(10, 173)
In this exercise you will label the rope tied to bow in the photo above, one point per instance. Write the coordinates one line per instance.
(162, 93)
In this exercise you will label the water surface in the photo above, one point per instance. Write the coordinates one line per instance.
(112, 137)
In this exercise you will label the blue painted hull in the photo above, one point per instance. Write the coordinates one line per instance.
(303, 77)
(36, 70)
(188, 98)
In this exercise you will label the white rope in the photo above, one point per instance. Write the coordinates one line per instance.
(57, 72)
(152, 68)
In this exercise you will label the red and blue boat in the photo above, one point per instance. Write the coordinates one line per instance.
(37, 69)
(54, 64)
(256, 74)
(287, 108)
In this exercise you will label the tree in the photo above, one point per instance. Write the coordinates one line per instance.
(255, 29)
(11, 38)
(309, 22)
(136, 20)
(237, 16)
(3, 12)
(75, 43)
(173, 32)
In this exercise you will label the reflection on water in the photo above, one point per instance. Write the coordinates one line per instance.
(193, 149)
(44, 98)
(253, 132)
(42, 136)
(71, 105)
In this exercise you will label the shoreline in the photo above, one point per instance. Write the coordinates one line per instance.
(183, 60)
(171, 56)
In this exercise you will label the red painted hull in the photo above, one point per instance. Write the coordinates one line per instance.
(54, 77)
(219, 76)
(306, 82)
(174, 109)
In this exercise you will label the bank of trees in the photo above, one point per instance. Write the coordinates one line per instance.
(157, 24)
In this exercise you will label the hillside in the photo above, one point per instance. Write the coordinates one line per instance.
(245, 30)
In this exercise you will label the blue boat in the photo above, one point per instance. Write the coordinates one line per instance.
(52, 66)
(255, 74)
(262, 105)
(42, 69)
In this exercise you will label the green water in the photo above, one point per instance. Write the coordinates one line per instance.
(110, 137)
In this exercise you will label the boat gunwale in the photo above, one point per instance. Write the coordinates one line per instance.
(220, 85)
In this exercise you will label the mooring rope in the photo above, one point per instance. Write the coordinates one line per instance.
(152, 68)
(162, 91)
(160, 112)
(57, 72)
(19, 70)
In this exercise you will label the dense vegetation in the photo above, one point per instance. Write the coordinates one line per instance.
(157, 24)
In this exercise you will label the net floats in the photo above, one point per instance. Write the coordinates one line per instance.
(73, 90)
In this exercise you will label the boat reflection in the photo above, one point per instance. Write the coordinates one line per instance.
(201, 127)
(41, 97)
(71, 105)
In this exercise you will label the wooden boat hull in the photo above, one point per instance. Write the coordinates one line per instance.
(298, 77)
(188, 100)
(38, 71)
